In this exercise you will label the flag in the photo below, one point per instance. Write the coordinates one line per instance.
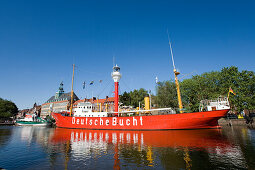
(92, 82)
(231, 91)
(84, 85)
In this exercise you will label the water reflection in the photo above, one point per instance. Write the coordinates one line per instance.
(49, 148)
(145, 148)
(5, 136)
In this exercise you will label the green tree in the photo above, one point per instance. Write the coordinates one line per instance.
(133, 97)
(190, 95)
(125, 99)
(242, 83)
(199, 87)
(138, 96)
(166, 94)
(211, 85)
(247, 89)
(7, 109)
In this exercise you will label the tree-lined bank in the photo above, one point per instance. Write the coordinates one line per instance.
(209, 85)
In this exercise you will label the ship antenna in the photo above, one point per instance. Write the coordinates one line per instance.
(171, 49)
(176, 73)
(113, 61)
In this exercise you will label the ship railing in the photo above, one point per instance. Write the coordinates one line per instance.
(161, 111)
(213, 102)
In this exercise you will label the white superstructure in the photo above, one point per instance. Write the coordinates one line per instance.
(210, 105)
(85, 109)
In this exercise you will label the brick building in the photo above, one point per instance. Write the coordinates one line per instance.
(102, 105)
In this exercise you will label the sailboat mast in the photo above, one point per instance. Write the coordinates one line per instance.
(71, 108)
(176, 73)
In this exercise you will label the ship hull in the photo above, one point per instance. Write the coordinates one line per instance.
(27, 123)
(197, 120)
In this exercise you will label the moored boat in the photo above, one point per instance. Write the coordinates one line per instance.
(197, 120)
(32, 120)
(146, 121)
(138, 121)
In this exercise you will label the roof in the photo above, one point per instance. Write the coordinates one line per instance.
(64, 96)
(110, 99)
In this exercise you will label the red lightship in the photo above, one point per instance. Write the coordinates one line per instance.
(123, 121)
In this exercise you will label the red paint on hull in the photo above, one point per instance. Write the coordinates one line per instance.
(197, 120)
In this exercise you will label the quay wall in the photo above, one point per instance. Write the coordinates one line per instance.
(232, 122)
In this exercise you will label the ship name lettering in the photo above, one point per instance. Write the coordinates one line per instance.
(141, 120)
(107, 122)
(128, 122)
(101, 121)
(121, 122)
(114, 121)
(82, 121)
(134, 121)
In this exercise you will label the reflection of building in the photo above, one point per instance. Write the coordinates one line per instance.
(59, 102)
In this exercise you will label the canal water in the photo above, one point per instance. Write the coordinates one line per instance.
(56, 148)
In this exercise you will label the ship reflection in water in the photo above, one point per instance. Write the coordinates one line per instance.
(164, 149)
(50, 148)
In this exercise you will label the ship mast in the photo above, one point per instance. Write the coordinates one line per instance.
(176, 73)
(71, 107)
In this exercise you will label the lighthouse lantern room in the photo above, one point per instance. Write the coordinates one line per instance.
(116, 77)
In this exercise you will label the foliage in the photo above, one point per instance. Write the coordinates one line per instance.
(166, 94)
(125, 99)
(133, 98)
(211, 85)
(7, 109)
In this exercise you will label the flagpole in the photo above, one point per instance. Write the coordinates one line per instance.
(84, 88)
(71, 108)
(229, 91)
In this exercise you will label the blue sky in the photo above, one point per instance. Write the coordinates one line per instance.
(39, 41)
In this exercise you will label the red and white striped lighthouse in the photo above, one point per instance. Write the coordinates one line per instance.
(116, 77)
